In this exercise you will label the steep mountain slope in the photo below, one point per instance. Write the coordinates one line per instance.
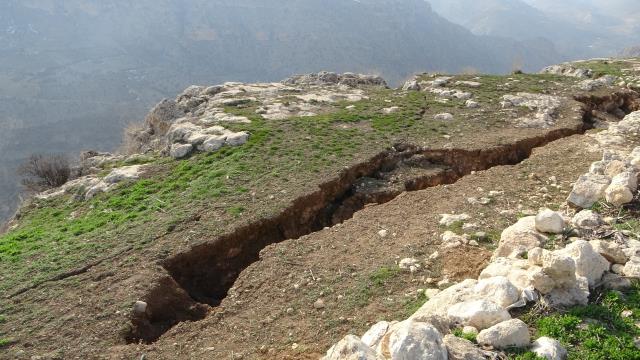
(74, 72)
(520, 20)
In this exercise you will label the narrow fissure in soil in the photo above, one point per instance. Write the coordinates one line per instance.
(201, 277)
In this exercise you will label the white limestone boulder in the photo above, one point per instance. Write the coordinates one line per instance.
(498, 290)
(480, 314)
(548, 348)
(588, 262)
(618, 195)
(510, 333)
(462, 349)
(351, 348)
(549, 221)
(587, 219)
(611, 251)
(123, 174)
(632, 267)
(412, 340)
(438, 305)
(588, 190)
(373, 336)
(519, 238)
(180, 151)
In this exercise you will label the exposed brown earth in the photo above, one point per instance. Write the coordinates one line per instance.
(250, 294)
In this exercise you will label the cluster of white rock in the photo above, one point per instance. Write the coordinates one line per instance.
(567, 69)
(438, 86)
(545, 107)
(521, 272)
(593, 84)
(86, 187)
(615, 177)
(524, 268)
(195, 120)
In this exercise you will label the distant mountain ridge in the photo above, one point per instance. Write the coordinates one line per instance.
(595, 35)
(73, 73)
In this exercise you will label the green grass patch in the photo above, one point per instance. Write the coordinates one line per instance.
(414, 304)
(467, 336)
(596, 331)
(373, 285)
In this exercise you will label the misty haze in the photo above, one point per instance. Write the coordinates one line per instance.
(73, 74)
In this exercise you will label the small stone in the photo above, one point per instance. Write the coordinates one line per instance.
(549, 221)
(409, 264)
(469, 330)
(450, 219)
(319, 304)
(140, 307)
(626, 314)
(472, 104)
(480, 314)
(383, 233)
(587, 219)
(510, 333)
(443, 117)
(179, 151)
(549, 349)
(618, 195)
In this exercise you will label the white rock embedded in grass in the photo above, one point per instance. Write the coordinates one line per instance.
(450, 219)
(549, 221)
(443, 117)
(587, 219)
(548, 348)
(123, 173)
(180, 151)
(510, 333)
(618, 195)
(409, 264)
(238, 138)
(632, 267)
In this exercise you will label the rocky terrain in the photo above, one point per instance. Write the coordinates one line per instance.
(456, 217)
(75, 73)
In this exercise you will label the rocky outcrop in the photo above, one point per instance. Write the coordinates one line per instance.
(330, 78)
(567, 70)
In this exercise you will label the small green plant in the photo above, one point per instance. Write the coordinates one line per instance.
(5, 342)
(414, 304)
(467, 336)
(236, 210)
(456, 227)
(374, 284)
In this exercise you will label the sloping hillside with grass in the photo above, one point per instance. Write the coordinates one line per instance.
(279, 227)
